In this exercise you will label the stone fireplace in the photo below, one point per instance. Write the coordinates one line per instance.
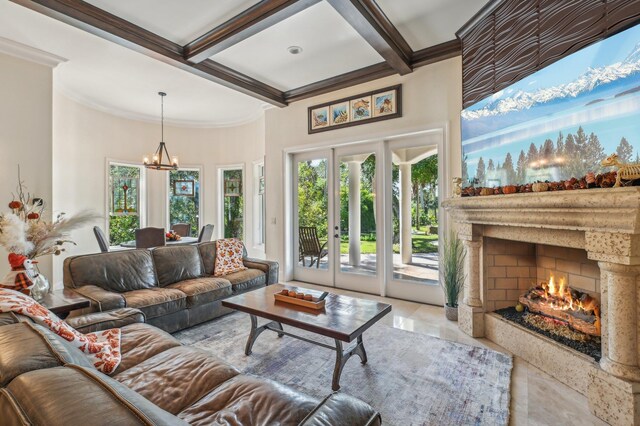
(588, 240)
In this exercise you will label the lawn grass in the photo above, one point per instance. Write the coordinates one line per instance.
(422, 243)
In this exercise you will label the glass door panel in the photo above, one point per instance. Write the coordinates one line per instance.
(358, 251)
(312, 220)
(414, 210)
(358, 237)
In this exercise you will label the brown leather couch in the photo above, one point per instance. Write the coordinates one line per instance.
(46, 381)
(173, 286)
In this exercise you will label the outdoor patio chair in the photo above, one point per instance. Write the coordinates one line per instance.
(310, 246)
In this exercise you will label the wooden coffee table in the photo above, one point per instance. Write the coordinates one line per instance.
(344, 319)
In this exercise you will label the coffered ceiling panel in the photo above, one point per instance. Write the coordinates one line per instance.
(330, 46)
(424, 23)
(179, 21)
(115, 79)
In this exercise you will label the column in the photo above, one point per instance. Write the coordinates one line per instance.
(621, 334)
(354, 212)
(406, 248)
(471, 311)
(472, 267)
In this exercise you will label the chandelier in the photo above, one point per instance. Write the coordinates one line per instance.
(161, 153)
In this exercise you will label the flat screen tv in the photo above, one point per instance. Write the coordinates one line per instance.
(559, 122)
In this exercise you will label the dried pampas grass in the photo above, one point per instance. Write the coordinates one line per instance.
(13, 235)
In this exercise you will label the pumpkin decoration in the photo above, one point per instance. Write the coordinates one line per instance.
(540, 187)
(509, 189)
(486, 191)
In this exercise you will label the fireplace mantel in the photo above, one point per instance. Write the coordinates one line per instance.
(612, 210)
(603, 222)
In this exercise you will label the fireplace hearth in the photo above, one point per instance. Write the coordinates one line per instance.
(572, 259)
(556, 330)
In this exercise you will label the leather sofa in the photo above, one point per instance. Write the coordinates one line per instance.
(173, 286)
(46, 381)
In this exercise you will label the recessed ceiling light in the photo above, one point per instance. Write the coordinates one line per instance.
(294, 50)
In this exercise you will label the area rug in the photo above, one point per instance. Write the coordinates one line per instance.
(411, 378)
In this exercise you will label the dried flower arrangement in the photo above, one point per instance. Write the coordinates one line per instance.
(23, 231)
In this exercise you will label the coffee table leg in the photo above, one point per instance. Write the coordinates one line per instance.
(256, 331)
(359, 350)
(253, 334)
(279, 325)
(343, 356)
(340, 361)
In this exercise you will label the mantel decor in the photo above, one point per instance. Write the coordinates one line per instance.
(161, 153)
(377, 105)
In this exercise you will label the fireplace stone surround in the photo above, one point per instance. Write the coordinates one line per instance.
(529, 235)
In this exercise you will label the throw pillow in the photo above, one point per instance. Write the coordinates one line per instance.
(228, 257)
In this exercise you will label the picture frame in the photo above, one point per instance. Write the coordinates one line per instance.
(356, 110)
(339, 113)
(384, 103)
(184, 188)
(319, 117)
(360, 108)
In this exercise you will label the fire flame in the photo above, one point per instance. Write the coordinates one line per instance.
(559, 297)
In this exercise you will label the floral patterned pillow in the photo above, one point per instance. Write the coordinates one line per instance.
(228, 257)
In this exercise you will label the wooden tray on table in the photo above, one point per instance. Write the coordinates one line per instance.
(313, 304)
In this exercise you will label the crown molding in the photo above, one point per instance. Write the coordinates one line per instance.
(28, 53)
(129, 115)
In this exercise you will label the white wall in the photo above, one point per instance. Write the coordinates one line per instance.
(25, 135)
(432, 97)
(83, 138)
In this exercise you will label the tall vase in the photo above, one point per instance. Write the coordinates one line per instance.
(40, 287)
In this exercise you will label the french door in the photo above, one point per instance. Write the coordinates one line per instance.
(337, 217)
(367, 217)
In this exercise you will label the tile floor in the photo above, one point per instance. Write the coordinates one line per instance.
(536, 398)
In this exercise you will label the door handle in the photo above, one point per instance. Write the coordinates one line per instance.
(336, 228)
(336, 235)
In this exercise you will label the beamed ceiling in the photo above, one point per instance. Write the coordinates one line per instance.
(242, 44)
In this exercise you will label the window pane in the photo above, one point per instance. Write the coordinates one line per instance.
(233, 204)
(184, 199)
(124, 203)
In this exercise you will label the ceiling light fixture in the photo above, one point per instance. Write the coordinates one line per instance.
(294, 50)
(156, 160)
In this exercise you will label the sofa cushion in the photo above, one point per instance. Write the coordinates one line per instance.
(155, 302)
(247, 280)
(208, 254)
(167, 379)
(26, 346)
(117, 271)
(203, 290)
(247, 400)
(72, 395)
(139, 342)
(177, 263)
